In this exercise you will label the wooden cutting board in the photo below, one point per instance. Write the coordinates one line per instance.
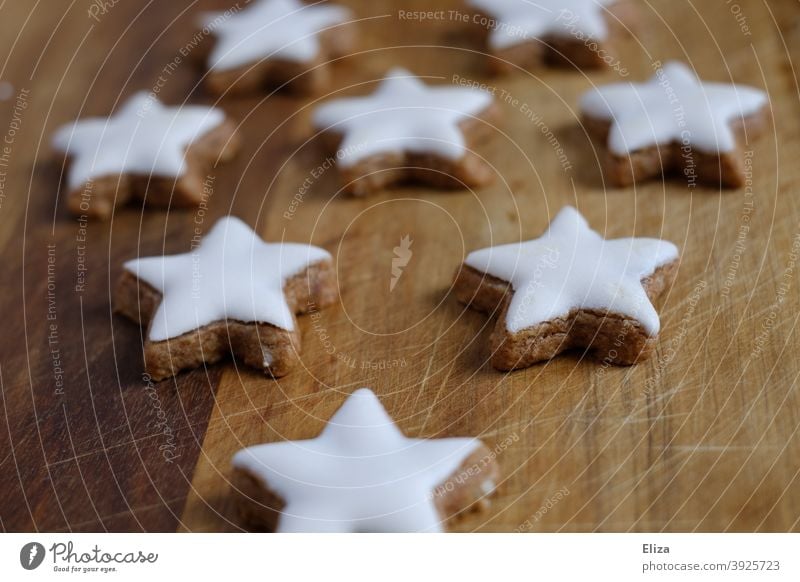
(703, 436)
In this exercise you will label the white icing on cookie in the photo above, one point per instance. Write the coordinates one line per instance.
(144, 137)
(519, 21)
(573, 267)
(280, 29)
(403, 114)
(231, 275)
(673, 106)
(360, 474)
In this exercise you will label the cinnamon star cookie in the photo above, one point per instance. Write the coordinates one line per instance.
(408, 131)
(232, 294)
(276, 42)
(570, 288)
(146, 150)
(529, 34)
(675, 123)
(362, 474)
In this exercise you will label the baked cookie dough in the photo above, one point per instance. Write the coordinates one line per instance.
(407, 131)
(146, 151)
(273, 43)
(362, 474)
(233, 294)
(675, 124)
(568, 289)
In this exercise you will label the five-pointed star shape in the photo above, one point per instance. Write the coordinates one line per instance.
(281, 29)
(144, 137)
(673, 106)
(232, 275)
(403, 114)
(573, 267)
(524, 20)
(359, 474)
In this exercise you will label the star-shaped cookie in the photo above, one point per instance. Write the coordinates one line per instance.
(570, 288)
(272, 42)
(362, 474)
(529, 33)
(145, 150)
(406, 131)
(233, 293)
(675, 123)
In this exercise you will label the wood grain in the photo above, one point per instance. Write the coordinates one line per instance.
(704, 436)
